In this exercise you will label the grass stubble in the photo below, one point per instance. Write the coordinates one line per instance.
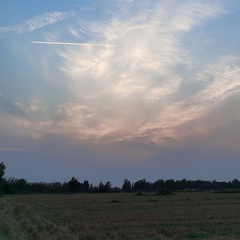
(203, 215)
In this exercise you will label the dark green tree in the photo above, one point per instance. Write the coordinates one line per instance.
(142, 185)
(108, 186)
(73, 184)
(101, 187)
(85, 186)
(159, 185)
(104, 187)
(170, 184)
(2, 170)
(126, 187)
(235, 183)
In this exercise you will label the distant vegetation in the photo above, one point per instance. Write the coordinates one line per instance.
(21, 186)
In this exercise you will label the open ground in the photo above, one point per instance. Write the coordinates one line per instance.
(183, 215)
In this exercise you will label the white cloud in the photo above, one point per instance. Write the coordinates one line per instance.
(167, 87)
(127, 86)
(224, 83)
(134, 87)
(190, 14)
(36, 105)
(137, 91)
(36, 23)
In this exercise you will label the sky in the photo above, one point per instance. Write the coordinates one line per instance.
(108, 90)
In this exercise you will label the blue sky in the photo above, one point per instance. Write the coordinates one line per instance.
(143, 89)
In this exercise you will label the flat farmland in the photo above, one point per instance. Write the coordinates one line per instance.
(184, 215)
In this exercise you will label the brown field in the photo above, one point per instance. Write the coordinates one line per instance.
(195, 215)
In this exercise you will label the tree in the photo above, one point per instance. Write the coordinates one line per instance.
(235, 183)
(170, 184)
(108, 186)
(2, 170)
(159, 185)
(85, 186)
(104, 187)
(73, 184)
(142, 185)
(101, 187)
(126, 187)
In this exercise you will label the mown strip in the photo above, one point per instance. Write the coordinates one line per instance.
(20, 221)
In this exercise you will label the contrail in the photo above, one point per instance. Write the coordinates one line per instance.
(76, 44)
(11, 149)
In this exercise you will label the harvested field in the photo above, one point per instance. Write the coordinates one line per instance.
(184, 215)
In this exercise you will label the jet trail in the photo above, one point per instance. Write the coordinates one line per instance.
(76, 44)
(11, 149)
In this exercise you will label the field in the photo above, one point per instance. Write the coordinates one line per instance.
(184, 215)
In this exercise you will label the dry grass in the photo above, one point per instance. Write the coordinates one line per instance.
(121, 216)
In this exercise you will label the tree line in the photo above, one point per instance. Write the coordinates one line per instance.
(21, 186)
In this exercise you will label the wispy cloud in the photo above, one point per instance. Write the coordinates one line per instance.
(223, 82)
(190, 14)
(36, 22)
(138, 91)
(138, 77)
(12, 109)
